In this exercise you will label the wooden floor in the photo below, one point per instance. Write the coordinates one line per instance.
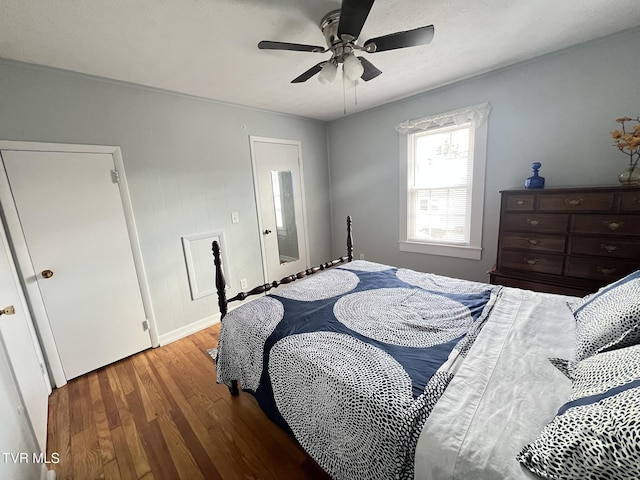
(160, 415)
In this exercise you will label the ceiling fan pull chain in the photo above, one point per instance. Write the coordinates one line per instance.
(344, 93)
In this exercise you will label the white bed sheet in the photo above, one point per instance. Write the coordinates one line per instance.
(505, 392)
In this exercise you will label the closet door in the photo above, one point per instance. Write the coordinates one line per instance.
(280, 196)
(19, 339)
(15, 436)
(71, 216)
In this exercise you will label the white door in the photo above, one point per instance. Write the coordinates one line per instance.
(16, 439)
(71, 215)
(278, 182)
(21, 344)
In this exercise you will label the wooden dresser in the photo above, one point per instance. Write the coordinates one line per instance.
(567, 240)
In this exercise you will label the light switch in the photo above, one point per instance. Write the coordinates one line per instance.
(235, 218)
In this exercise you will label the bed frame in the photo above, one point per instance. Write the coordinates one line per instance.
(221, 283)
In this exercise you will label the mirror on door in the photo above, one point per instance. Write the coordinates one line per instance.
(282, 183)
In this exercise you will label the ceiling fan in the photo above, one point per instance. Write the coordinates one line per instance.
(341, 29)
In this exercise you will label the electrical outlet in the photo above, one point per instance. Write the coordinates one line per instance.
(362, 256)
(243, 283)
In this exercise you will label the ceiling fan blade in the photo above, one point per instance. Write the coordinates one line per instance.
(353, 14)
(309, 73)
(370, 71)
(410, 38)
(298, 47)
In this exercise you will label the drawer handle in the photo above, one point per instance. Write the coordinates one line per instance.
(614, 225)
(606, 271)
(533, 223)
(532, 241)
(523, 202)
(531, 261)
(574, 202)
(608, 248)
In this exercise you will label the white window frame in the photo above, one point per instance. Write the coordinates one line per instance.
(476, 116)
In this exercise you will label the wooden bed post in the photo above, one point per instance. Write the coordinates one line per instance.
(221, 286)
(349, 240)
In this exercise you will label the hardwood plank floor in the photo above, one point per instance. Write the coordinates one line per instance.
(160, 415)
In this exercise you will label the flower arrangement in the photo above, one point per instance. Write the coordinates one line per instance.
(627, 140)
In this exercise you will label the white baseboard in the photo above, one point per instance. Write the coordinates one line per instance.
(187, 330)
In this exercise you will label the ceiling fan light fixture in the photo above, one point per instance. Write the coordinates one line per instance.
(328, 73)
(341, 30)
(352, 67)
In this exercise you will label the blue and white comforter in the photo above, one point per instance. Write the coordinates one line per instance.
(352, 360)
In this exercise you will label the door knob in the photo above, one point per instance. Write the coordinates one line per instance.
(267, 231)
(47, 273)
(10, 310)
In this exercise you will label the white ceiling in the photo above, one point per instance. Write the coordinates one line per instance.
(207, 48)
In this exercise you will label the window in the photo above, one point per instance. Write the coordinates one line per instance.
(442, 182)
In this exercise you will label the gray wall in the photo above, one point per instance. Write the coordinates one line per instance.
(187, 163)
(557, 109)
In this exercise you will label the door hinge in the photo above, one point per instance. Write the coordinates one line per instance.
(145, 325)
(115, 176)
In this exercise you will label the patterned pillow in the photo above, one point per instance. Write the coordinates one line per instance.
(595, 434)
(610, 318)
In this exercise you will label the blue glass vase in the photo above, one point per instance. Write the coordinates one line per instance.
(535, 181)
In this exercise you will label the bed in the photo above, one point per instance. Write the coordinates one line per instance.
(382, 372)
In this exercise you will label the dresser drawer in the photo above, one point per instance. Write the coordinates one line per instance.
(630, 202)
(607, 270)
(537, 286)
(535, 222)
(519, 203)
(606, 247)
(534, 241)
(576, 202)
(531, 262)
(609, 224)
